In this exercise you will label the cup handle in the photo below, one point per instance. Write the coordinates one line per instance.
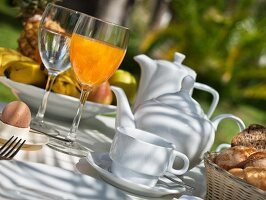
(185, 161)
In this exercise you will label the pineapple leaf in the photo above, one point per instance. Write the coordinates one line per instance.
(29, 8)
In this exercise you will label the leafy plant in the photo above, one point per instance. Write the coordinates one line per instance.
(223, 41)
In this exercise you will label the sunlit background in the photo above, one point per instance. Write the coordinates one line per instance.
(224, 42)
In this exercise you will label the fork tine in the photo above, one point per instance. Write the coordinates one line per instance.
(2, 147)
(8, 147)
(11, 148)
(15, 152)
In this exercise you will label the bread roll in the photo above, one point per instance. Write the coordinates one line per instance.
(238, 172)
(230, 158)
(256, 176)
(257, 159)
(253, 136)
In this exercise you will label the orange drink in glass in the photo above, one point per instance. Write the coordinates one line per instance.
(97, 48)
(94, 61)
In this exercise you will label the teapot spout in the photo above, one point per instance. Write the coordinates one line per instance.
(124, 115)
(148, 68)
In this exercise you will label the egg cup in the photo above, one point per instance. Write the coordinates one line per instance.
(9, 130)
(34, 141)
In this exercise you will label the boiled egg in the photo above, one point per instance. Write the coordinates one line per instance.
(16, 113)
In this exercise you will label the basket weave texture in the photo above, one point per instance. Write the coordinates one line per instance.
(221, 185)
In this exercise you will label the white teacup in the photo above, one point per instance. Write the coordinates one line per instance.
(142, 157)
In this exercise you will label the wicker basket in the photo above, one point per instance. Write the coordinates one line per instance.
(221, 185)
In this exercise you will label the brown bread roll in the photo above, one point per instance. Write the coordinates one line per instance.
(257, 159)
(253, 136)
(231, 157)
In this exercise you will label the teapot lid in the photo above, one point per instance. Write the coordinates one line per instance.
(177, 64)
(178, 59)
(182, 100)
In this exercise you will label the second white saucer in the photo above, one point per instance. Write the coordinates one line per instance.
(101, 162)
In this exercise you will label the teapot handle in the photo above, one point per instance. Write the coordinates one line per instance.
(219, 118)
(215, 94)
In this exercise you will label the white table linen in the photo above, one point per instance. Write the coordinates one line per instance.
(96, 134)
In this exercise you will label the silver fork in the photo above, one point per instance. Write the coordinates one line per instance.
(11, 148)
(180, 183)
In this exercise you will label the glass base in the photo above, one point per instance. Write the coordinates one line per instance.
(43, 128)
(70, 148)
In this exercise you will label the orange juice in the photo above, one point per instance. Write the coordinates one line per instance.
(94, 61)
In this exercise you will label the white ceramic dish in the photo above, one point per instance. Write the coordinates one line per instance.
(39, 181)
(33, 140)
(101, 162)
(59, 106)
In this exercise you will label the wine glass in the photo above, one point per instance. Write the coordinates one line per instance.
(97, 49)
(55, 30)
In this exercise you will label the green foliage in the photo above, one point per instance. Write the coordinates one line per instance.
(10, 26)
(10, 30)
(6, 95)
(224, 41)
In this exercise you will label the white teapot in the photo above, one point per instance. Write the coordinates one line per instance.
(176, 117)
(160, 77)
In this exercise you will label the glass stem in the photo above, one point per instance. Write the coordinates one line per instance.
(72, 135)
(40, 115)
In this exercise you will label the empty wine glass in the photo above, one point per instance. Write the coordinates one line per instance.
(97, 49)
(55, 30)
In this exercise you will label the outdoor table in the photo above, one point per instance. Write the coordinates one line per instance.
(97, 133)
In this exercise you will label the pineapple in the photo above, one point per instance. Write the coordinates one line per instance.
(30, 11)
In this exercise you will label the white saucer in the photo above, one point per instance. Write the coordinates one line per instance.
(102, 163)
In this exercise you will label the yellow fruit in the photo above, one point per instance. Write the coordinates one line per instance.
(9, 55)
(65, 85)
(27, 72)
(126, 81)
(71, 75)
(8, 50)
(5, 58)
